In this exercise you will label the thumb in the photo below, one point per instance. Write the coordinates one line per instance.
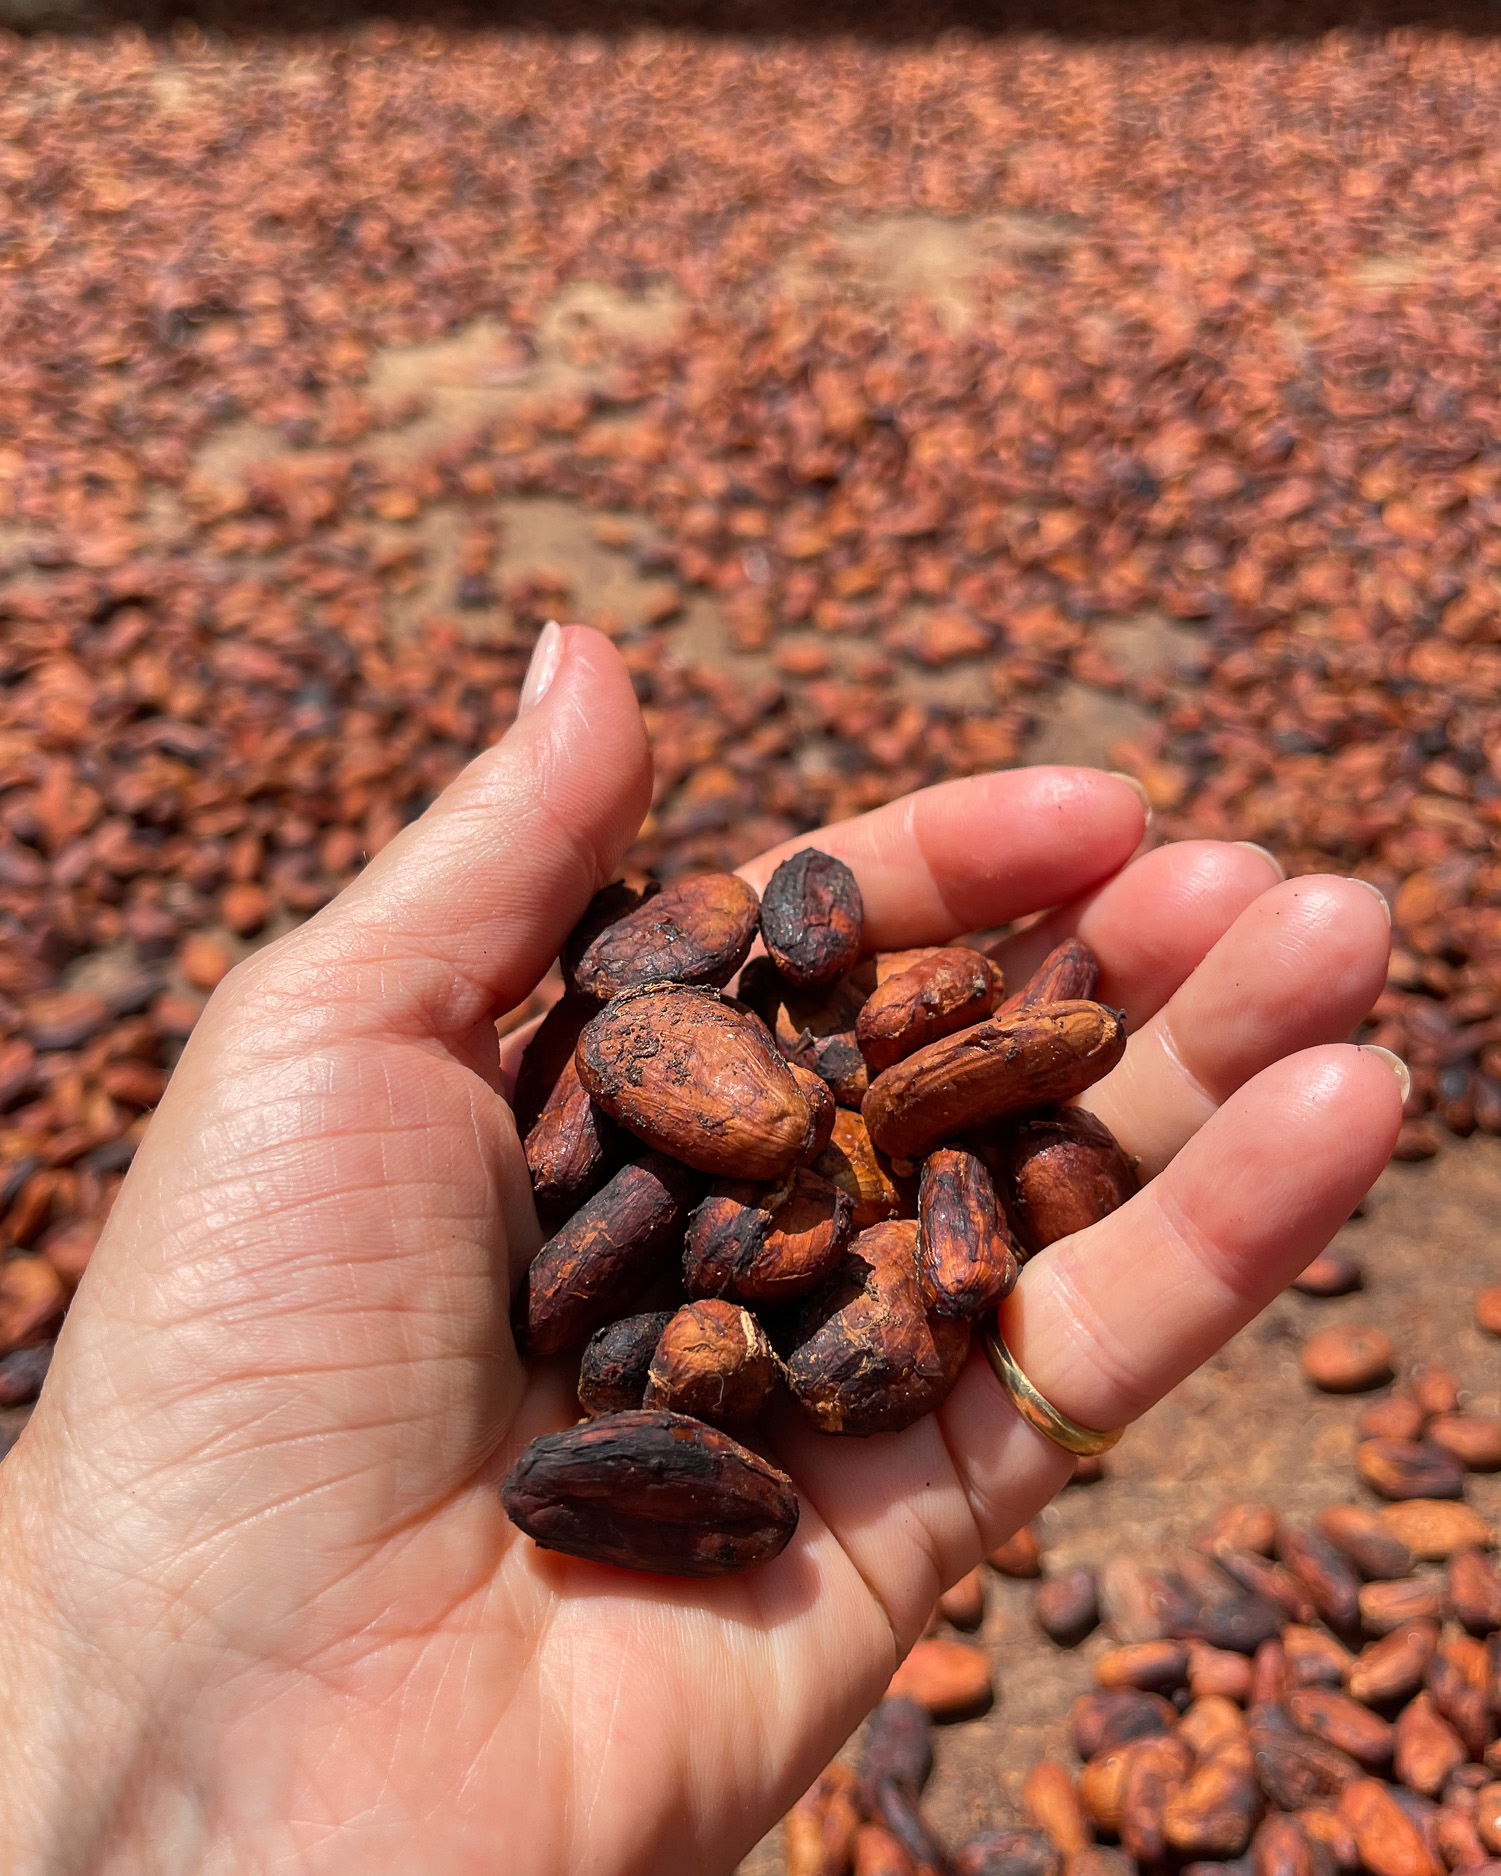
(461, 914)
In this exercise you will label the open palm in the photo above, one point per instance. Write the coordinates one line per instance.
(264, 1609)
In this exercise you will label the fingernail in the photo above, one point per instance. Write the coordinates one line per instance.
(543, 668)
(1120, 775)
(1395, 1063)
(1266, 853)
(1371, 886)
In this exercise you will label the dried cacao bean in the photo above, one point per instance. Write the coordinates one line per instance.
(866, 1356)
(1156, 1772)
(820, 1829)
(1385, 1606)
(1151, 1667)
(1364, 1539)
(698, 1078)
(948, 988)
(945, 1678)
(1068, 972)
(614, 1365)
(898, 1747)
(1295, 1768)
(1004, 1066)
(1326, 1713)
(1399, 1469)
(1475, 1591)
(651, 1491)
(1426, 1747)
(606, 1254)
(1393, 1668)
(545, 1057)
(812, 918)
(695, 931)
(1473, 1439)
(714, 1362)
(1007, 1853)
(765, 1243)
(1323, 1572)
(571, 1150)
(1061, 1172)
(964, 1253)
(1099, 1721)
(1067, 1606)
(1052, 1805)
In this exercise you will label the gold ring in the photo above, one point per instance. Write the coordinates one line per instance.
(1032, 1407)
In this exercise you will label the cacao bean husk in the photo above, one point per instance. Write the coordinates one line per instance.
(695, 931)
(761, 1243)
(699, 1078)
(1002, 1067)
(651, 1491)
(964, 1253)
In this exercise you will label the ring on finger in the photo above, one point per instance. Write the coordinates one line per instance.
(1039, 1412)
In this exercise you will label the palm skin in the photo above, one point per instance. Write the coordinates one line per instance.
(266, 1611)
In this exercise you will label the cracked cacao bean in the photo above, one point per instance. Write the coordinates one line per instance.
(850, 1162)
(651, 1491)
(812, 918)
(964, 1253)
(866, 1356)
(1068, 972)
(614, 1364)
(948, 988)
(1061, 1172)
(695, 1076)
(762, 1243)
(713, 1361)
(816, 1030)
(1002, 1067)
(604, 1256)
(695, 931)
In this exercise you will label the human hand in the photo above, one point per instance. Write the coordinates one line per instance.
(264, 1610)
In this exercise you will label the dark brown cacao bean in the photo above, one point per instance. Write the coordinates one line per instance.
(571, 1150)
(947, 989)
(614, 1364)
(713, 1361)
(812, 918)
(1062, 1172)
(651, 1491)
(545, 1057)
(766, 1243)
(866, 1356)
(695, 931)
(606, 1254)
(1069, 971)
(964, 1253)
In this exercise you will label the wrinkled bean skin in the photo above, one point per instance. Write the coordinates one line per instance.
(947, 989)
(866, 1357)
(1068, 972)
(713, 1361)
(604, 1256)
(651, 1491)
(571, 1150)
(766, 1243)
(850, 1162)
(614, 1365)
(812, 918)
(545, 1057)
(696, 1076)
(695, 931)
(1002, 1067)
(964, 1253)
(1059, 1173)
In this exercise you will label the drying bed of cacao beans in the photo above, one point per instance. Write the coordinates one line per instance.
(1230, 359)
(1282, 1695)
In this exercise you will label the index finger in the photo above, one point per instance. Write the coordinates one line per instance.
(981, 851)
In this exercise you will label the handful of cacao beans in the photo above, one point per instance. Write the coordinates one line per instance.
(812, 1187)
